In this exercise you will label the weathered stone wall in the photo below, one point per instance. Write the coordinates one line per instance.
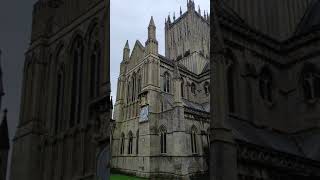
(45, 141)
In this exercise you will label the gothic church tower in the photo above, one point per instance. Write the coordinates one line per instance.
(153, 122)
(65, 102)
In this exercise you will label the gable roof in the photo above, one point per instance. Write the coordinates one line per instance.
(137, 49)
(138, 44)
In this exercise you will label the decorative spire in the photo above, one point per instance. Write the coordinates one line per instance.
(126, 51)
(152, 22)
(169, 19)
(174, 16)
(127, 45)
(191, 5)
(152, 43)
(199, 10)
(180, 11)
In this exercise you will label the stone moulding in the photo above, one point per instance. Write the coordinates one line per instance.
(252, 153)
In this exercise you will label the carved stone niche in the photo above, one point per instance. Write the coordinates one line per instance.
(143, 98)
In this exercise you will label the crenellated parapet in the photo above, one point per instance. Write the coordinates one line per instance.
(187, 33)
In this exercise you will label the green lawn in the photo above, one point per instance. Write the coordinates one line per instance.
(123, 177)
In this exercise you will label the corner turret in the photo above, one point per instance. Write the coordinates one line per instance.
(126, 52)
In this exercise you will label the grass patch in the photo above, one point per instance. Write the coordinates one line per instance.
(123, 177)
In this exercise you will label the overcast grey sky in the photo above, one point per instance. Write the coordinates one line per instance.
(129, 21)
(15, 27)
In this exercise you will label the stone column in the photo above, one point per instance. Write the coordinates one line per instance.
(223, 159)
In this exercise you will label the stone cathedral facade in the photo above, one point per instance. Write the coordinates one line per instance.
(162, 104)
(65, 102)
(272, 79)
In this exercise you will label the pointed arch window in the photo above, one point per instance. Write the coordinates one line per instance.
(59, 101)
(128, 92)
(265, 85)
(130, 143)
(182, 87)
(166, 82)
(122, 144)
(133, 95)
(59, 92)
(194, 140)
(163, 140)
(76, 89)
(95, 64)
(137, 142)
(139, 84)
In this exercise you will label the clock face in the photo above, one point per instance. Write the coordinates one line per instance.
(144, 114)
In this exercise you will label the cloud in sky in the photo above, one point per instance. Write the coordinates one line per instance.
(129, 20)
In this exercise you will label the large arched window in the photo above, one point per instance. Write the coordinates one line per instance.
(166, 82)
(130, 142)
(122, 144)
(59, 100)
(163, 140)
(128, 91)
(76, 89)
(265, 84)
(182, 88)
(310, 82)
(137, 142)
(95, 64)
(59, 92)
(194, 140)
(133, 80)
(139, 83)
